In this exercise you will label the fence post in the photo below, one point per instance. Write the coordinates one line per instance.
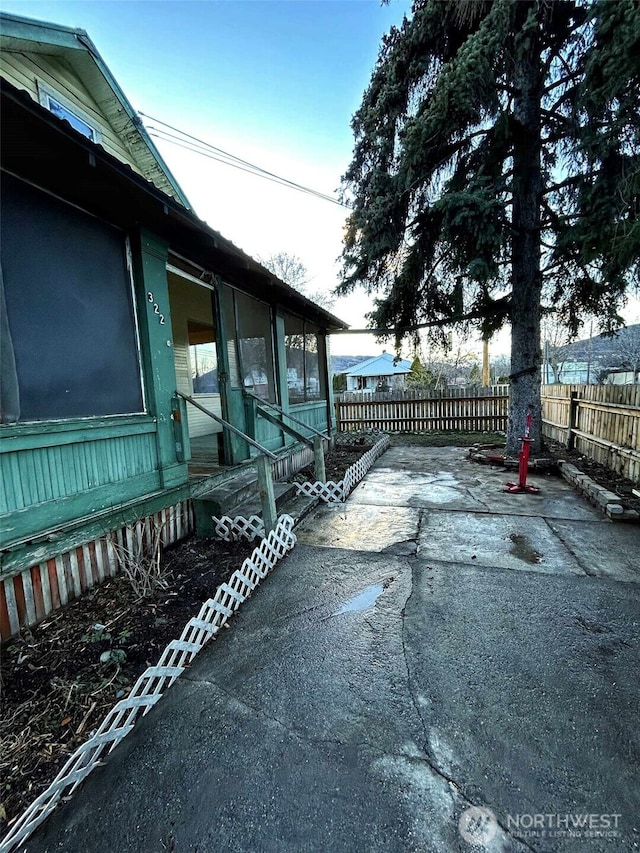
(267, 495)
(318, 459)
(573, 419)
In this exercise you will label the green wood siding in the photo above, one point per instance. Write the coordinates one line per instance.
(268, 434)
(38, 475)
(47, 486)
(314, 414)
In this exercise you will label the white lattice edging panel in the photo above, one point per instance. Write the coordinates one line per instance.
(148, 689)
(232, 529)
(331, 492)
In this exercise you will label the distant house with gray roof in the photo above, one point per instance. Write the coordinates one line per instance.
(382, 372)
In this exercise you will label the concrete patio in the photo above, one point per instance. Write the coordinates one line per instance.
(431, 646)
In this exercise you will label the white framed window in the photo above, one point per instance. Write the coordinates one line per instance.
(64, 109)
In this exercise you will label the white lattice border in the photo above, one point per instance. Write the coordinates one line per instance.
(331, 492)
(148, 689)
(231, 529)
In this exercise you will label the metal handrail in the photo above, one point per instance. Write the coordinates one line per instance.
(287, 414)
(227, 425)
(276, 421)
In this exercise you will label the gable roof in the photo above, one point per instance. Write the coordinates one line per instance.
(381, 365)
(52, 155)
(26, 35)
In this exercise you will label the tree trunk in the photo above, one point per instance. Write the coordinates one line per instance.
(526, 278)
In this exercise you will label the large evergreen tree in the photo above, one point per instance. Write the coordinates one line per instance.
(497, 170)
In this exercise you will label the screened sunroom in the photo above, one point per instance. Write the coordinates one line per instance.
(246, 359)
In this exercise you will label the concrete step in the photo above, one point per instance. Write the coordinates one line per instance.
(239, 495)
(298, 507)
(230, 492)
(283, 492)
(287, 503)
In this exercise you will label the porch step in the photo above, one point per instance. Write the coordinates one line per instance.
(229, 491)
(289, 503)
(283, 493)
(298, 507)
(237, 495)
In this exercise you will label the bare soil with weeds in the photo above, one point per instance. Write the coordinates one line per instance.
(59, 680)
(604, 476)
(340, 457)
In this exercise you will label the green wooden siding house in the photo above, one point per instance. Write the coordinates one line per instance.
(117, 303)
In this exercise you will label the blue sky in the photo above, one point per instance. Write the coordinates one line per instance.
(273, 82)
(292, 71)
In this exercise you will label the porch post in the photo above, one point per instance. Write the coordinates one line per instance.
(332, 424)
(267, 495)
(281, 368)
(154, 316)
(318, 459)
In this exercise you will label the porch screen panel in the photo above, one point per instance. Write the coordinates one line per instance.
(69, 308)
(256, 346)
(312, 376)
(305, 361)
(226, 308)
(294, 347)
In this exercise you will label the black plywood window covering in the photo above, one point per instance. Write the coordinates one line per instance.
(69, 308)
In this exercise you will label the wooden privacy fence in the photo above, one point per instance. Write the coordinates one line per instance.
(600, 421)
(463, 409)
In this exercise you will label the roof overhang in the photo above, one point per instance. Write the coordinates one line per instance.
(403, 371)
(39, 148)
(19, 35)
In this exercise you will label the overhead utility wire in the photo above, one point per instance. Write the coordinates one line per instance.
(199, 146)
(188, 146)
(257, 173)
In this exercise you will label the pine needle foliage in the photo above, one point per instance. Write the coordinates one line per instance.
(496, 172)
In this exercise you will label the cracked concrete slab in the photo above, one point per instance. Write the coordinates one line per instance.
(530, 678)
(312, 726)
(445, 477)
(500, 541)
(365, 528)
(380, 488)
(556, 500)
(615, 555)
(298, 730)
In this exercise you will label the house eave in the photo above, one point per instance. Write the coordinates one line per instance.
(20, 34)
(37, 147)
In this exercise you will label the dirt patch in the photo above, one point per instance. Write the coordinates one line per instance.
(447, 439)
(339, 458)
(602, 475)
(59, 680)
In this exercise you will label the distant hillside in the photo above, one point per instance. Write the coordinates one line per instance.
(342, 363)
(599, 348)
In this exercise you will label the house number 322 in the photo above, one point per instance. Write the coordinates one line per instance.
(156, 307)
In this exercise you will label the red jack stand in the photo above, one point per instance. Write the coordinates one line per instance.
(523, 457)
